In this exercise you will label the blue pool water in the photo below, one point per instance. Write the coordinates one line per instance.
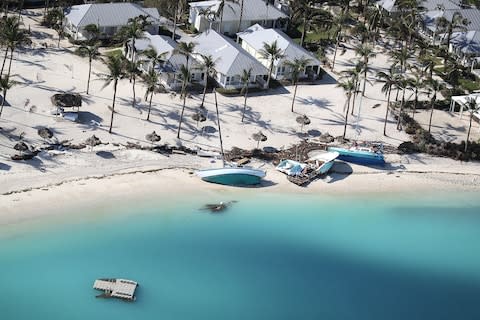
(267, 257)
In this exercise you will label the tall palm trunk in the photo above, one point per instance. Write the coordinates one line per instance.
(241, 17)
(399, 120)
(432, 107)
(270, 70)
(204, 90)
(415, 102)
(354, 96)
(175, 19)
(133, 90)
(365, 79)
(294, 94)
(4, 97)
(181, 115)
(149, 106)
(386, 113)
(89, 73)
(304, 31)
(336, 49)
(466, 141)
(10, 63)
(4, 60)
(245, 102)
(346, 116)
(113, 104)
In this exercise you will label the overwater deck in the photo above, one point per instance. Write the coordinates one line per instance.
(116, 288)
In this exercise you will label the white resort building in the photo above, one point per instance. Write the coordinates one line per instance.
(231, 59)
(203, 16)
(169, 68)
(253, 40)
(109, 17)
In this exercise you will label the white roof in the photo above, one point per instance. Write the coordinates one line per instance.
(256, 36)
(231, 58)
(253, 10)
(161, 44)
(107, 14)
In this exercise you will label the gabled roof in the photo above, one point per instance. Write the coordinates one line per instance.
(472, 15)
(253, 10)
(256, 36)
(108, 14)
(230, 57)
(164, 44)
(427, 5)
(467, 42)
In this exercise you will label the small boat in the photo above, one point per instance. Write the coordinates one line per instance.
(232, 176)
(360, 155)
(303, 173)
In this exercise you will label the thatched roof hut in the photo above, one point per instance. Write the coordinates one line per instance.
(67, 100)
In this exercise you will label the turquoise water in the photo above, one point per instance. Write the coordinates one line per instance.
(268, 257)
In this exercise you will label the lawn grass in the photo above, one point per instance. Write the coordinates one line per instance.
(469, 85)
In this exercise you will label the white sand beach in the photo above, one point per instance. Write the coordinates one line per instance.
(56, 180)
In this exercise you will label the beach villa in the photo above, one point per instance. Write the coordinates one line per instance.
(109, 17)
(203, 16)
(169, 68)
(253, 40)
(231, 59)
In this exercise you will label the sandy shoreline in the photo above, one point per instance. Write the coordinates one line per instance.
(60, 189)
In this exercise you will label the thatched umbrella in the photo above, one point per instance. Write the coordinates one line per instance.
(303, 121)
(45, 133)
(21, 146)
(93, 141)
(259, 137)
(153, 137)
(199, 117)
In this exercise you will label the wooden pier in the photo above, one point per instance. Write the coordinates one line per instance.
(116, 288)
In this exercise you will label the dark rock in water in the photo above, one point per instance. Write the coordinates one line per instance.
(217, 207)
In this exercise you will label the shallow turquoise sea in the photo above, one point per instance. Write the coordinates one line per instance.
(270, 256)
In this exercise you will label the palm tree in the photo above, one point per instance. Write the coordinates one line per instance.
(5, 85)
(132, 71)
(389, 80)
(401, 57)
(133, 31)
(186, 49)
(92, 53)
(338, 24)
(221, 8)
(13, 36)
(241, 17)
(416, 84)
(272, 53)
(349, 87)
(354, 75)
(472, 107)
(402, 83)
(297, 67)
(306, 13)
(245, 79)
(208, 64)
(93, 32)
(458, 23)
(185, 76)
(151, 80)
(365, 52)
(433, 86)
(116, 72)
(153, 57)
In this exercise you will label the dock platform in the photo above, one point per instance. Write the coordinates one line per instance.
(116, 288)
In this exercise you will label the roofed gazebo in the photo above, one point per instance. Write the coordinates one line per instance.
(64, 101)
